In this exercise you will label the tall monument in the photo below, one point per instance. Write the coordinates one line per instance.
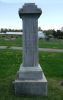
(30, 77)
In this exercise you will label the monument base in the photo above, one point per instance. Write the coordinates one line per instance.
(29, 85)
(30, 73)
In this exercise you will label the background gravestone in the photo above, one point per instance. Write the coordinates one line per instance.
(30, 78)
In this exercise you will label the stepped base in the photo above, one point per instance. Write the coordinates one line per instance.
(30, 73)
(31, 86)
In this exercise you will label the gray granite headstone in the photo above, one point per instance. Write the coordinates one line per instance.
(30, 77)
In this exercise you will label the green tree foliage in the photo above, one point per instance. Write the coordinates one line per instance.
(4, 30)
(56, 34)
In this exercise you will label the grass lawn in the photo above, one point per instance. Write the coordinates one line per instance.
(9, 42)
(52, 64)
(42, 43)
(55, 43)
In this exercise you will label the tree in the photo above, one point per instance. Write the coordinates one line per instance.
(39, 29)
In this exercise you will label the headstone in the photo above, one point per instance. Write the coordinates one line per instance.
(30, 78)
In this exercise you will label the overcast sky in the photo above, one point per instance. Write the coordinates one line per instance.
(51, 18)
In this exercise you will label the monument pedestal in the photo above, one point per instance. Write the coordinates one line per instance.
(30, 81)
(30, 78)
(30, 73)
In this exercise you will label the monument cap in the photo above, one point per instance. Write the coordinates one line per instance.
(29, 9)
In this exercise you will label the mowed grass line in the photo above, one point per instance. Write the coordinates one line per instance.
(52, 66)
(55, 43)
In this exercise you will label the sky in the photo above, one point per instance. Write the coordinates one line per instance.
(51, 18)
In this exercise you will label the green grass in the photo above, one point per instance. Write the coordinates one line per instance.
(16, 42)
(55, 43)
(52, 64)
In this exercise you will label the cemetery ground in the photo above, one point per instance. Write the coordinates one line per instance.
(52, 65)
(16, 40)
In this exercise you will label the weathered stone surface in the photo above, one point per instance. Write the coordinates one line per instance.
(30, 78)
(30, 9)
(31, 87)
(30, 42)
(30, 73)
